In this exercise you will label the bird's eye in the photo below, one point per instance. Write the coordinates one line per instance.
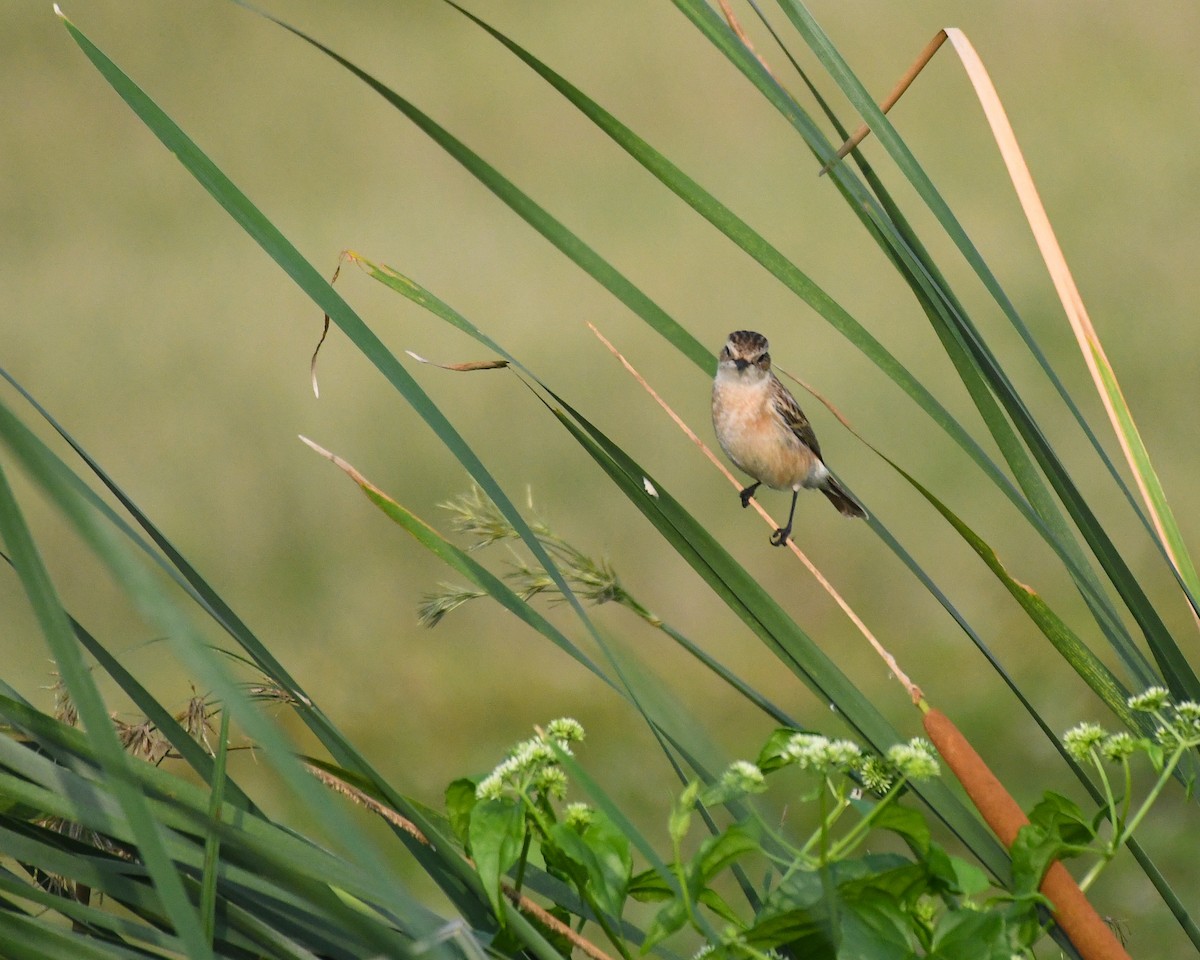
(764, 361)
(725, 354)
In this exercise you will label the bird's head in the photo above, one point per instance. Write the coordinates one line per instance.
(745, 356)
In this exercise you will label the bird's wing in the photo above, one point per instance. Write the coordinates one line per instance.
(793, 416)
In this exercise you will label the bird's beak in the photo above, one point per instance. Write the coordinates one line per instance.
(741, 363)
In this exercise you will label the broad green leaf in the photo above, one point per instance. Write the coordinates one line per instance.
(718, 853)
(601, 854)
(460, 801)
(906, 822)
(875, 927)
(496, 834)
(971, 935)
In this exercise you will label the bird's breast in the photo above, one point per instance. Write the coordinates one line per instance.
(757, 440)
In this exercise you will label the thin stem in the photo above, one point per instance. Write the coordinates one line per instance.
(1155, 791)
(1109, 800)
(858, 832)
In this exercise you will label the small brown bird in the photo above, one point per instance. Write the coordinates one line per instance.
(762, 429)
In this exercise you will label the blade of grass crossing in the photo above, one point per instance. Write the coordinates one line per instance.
(1176, 671)
(212, 843)
(924, 280)
(61, 640)
(281, 250)
(760, 612)
(202, 664)
(799, 283)
(532, 213)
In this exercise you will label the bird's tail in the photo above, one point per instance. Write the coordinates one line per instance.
(846, 504)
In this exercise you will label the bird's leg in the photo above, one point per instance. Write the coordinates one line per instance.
(748, 493)
(779, 537)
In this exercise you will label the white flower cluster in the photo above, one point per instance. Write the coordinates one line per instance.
(534, 763)
(811, 751)
(1177, 726)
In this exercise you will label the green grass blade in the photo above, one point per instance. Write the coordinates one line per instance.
(768, 621)
(198, 659)
(535, 215)
(281, 250)
(1140, 463)
(1068, 644)
(60, 638)
(212, 843)
(774, 261)
(1174, 666)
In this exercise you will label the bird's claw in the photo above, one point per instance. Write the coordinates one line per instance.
(780, 536)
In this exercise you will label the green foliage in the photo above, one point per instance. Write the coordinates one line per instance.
(822, 900)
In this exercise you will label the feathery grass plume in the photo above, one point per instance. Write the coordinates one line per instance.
(434, 606)
(143, 740)
(195, 717)
(593, 579)
(475, 514)
(269, 690)
(64, 706)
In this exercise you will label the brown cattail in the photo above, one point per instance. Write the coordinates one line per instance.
(1091, 936)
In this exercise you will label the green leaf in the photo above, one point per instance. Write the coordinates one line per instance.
(899, 877)
(460, 801)
(953, 874)
(610, 848)
(774, 753)
(971, 935)
(718, 853)
(1062, 816)
(602, 860)
(906, 822)
(670, 919)
(496, 834)
(1060, 831)
(874, 926)
(650, 887)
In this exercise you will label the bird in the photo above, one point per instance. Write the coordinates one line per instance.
(762, 429)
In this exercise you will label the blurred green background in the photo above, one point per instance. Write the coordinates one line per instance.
(171, 347)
